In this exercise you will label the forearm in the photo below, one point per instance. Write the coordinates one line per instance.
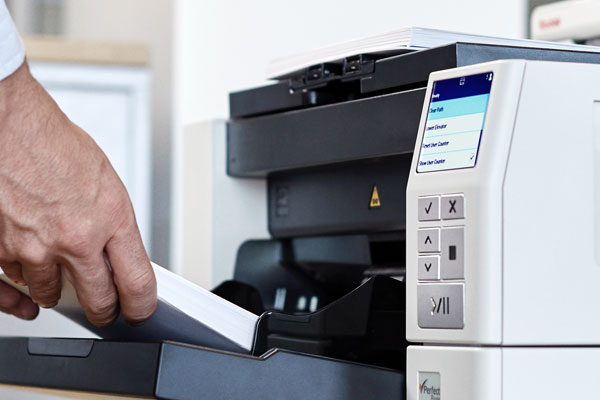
(27, 115)
(18, 95)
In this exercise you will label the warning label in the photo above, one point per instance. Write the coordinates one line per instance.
(375, 201)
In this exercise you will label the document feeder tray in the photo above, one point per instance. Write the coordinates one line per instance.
(169, 370)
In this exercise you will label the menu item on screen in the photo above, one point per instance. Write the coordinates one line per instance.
(455, 123)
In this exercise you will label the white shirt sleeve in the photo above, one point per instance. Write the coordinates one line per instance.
(12, 51)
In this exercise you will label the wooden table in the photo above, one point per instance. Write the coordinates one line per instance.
(9, 392)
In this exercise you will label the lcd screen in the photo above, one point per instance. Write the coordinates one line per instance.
(455, 123)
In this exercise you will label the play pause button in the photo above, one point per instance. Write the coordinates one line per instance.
(440, 305)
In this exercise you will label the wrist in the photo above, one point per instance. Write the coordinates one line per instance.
(21, 98)
(11, 87)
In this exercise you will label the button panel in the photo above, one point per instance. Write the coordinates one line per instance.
(440, 306)
(453, 206)
(429, 268)
(429, 240)
(441, 262)
(429, 208)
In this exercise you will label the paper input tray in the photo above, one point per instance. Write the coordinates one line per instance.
(169, 370)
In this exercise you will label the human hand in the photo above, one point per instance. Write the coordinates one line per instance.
(62, 208)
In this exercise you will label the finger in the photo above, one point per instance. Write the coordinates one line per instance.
(133, 275)
(14, 272)
(44, 283)
(95, 289)
(17, 304)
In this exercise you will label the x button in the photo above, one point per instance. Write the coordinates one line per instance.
(453, 206)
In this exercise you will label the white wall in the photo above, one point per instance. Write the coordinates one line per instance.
(218, 213)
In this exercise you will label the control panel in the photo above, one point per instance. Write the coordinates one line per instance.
(441, 262)
(454, 206)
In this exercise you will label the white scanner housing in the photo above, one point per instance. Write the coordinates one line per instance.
(503, 231)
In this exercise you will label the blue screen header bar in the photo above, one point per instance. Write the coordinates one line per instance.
(465, 86)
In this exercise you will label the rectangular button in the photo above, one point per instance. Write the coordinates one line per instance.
(428, 240)
(440, 306)
(428, 268)
(452, 263)
(429, 208)
(453, 206)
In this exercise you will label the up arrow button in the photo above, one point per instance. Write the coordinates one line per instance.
(429, 208)
(428, 240)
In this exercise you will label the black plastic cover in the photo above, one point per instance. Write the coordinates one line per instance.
(110, 367)
(387, 73)
(375, 116)
(356, 197)
(354, 130)
(180, 372)
(189, 373)
(367, 325)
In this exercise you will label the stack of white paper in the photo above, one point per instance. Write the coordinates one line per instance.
(397, 40)
(185, 313)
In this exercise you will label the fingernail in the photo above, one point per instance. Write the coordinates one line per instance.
(104, 324)
(27, 310)
(44, 305)
(29, 315)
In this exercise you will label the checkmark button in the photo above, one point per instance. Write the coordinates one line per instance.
(429, 208)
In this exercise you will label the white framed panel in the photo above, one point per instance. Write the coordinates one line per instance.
(112, 104)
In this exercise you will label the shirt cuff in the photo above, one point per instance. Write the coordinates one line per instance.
(12, 51)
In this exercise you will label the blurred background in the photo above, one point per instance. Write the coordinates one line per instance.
(134, 73)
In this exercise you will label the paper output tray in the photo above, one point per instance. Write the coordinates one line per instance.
(176, 371)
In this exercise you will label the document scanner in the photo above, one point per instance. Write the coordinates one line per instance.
(438, 197)
(502, 233)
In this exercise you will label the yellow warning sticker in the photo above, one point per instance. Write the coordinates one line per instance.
(375, 202)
